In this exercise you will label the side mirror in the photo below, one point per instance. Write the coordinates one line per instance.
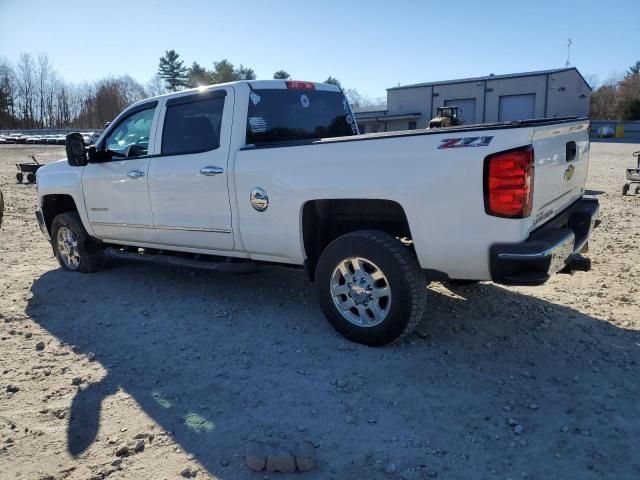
(76, 154)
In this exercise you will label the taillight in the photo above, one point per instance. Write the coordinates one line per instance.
(508, 183)
(300, 85)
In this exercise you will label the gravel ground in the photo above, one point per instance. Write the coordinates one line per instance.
(497, 382)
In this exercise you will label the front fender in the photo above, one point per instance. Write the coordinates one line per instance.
(60, 178)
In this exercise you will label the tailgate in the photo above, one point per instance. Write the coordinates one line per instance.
(561, 164)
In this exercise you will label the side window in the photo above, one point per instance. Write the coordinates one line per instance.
(192, 127)
(130, 138)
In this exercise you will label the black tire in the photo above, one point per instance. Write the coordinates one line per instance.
(19, 177)
(31, 177)
(625, 189)
(403, 274)
(91, 255)
(637, 190)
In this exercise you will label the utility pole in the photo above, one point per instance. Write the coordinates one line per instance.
(568, 62)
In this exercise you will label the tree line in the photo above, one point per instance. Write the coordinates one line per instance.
(618, 98)
(178, 76)
(34, 95)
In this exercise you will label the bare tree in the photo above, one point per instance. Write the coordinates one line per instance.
(43, 73)
(156, 86)
(25, 81)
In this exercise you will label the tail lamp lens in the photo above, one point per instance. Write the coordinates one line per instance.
(508, 183)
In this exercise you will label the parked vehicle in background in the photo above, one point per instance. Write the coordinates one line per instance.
(449, 116)
(42, 139)
(228, 176)
(18, 137)
(51, 139)
(90, 138)
(33, 139)
(60, 139)
(606, 132)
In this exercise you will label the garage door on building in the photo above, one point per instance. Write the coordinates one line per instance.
(517, 107)
(468, 107)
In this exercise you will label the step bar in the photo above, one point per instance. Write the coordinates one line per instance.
(225, 265)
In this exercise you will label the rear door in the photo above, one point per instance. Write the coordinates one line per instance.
(561, 163)
(188, 178)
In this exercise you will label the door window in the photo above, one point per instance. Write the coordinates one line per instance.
(131, 137)
(192, 127)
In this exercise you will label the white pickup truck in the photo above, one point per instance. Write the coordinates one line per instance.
(230, 176)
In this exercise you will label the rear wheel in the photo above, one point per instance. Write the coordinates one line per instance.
(19, 177)
(370, 287)
(74, 249)
(31, 177)
(625, 188)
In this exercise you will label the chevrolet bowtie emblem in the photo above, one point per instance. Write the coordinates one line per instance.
(568, 173)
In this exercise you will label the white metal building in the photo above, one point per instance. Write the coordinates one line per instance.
(494, 98)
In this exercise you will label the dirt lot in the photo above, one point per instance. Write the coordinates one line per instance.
(533, 383)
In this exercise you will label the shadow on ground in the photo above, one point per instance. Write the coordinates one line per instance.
(216, 359)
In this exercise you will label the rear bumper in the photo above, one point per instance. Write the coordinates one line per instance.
(552, 248)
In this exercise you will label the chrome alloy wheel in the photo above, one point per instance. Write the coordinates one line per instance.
(68, 248)
(361, 292)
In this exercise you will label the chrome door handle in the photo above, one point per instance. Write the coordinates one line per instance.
(211, 171)
(135, 174)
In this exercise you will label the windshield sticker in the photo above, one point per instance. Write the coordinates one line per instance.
(304, 100)
(255, 98)
(465, 142)
(257, 125)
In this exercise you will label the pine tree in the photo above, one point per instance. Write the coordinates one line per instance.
(633, 70)
(223, 71)
(281, 75)
(333, 81)
(172, 71)
(197, 75)
(245, 73)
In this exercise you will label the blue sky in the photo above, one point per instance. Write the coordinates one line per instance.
(367, 45)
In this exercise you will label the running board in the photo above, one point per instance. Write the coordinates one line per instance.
(223, 266)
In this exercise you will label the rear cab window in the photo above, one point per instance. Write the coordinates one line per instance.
(279, 115)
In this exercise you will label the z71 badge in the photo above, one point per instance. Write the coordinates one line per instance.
(465, 142)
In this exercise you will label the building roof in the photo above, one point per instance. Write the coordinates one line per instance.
(383, 116)
(492, 77)
(369, 109)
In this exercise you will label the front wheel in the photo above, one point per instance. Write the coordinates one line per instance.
(74, 249)
(370, 287)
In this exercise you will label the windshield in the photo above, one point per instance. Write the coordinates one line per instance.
(282, 115)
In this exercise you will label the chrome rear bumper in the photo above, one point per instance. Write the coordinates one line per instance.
(552, 248)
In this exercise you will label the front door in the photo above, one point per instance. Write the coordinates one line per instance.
(188, 178)
(115, 191)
